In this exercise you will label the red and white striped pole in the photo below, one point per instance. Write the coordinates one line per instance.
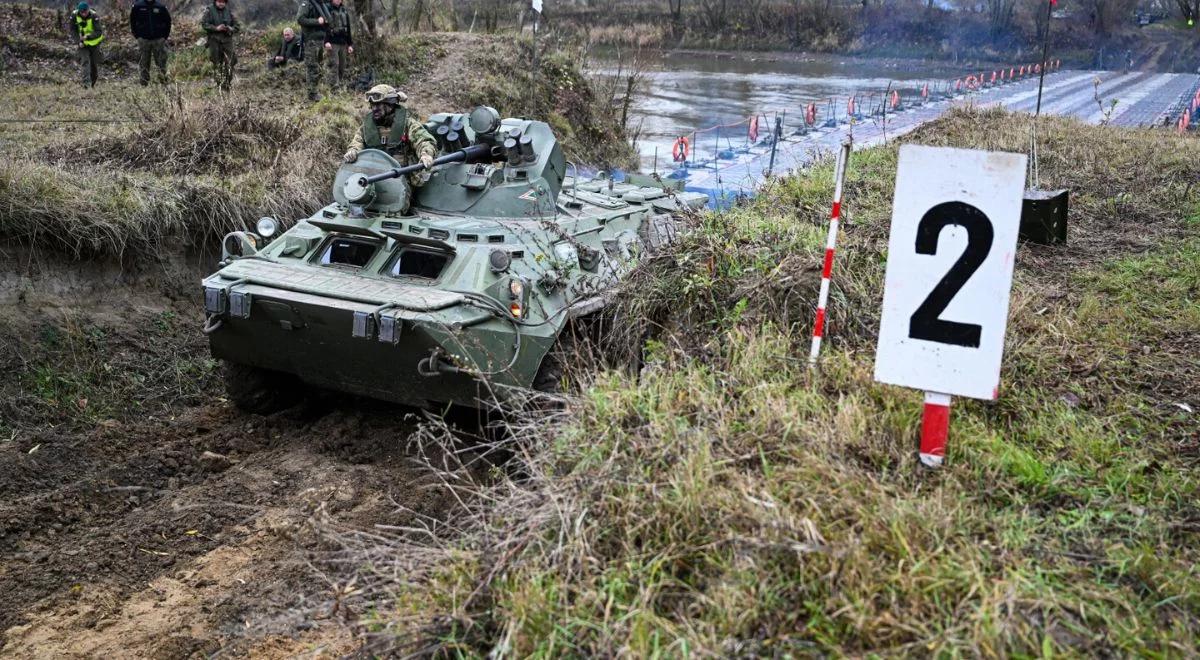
(935, 426)
(830, 244)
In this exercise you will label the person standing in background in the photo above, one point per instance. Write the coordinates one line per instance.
(85, 28)
(339, 43)
(150, 23)
(220, 25)
(313, 17)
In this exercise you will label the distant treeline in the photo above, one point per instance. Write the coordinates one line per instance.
(945, 29)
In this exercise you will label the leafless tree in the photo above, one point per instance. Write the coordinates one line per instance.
(1000, 16)
(1190, 9)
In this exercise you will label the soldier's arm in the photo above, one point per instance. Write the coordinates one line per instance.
(234, 26)
(96, 29)
(357, 144)
(132, 14)
(73, 27)
(167, 13)
(422, 142)
(206, 22)
(304, 16)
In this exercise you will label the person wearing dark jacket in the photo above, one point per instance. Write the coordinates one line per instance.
(291, 48)
(150, 23)
(339, 43)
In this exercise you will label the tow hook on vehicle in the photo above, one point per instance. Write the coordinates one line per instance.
(436, 365)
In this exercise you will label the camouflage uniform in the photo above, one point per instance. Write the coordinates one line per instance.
(340, 40)
(406, 145)
(220, 44)
(87, 33)
(314, 33)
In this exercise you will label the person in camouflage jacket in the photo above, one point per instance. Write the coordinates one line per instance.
(220, 25)
(389, 128)
(314, 18)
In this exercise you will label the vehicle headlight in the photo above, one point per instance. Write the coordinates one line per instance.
(499, 260)
(267, 227)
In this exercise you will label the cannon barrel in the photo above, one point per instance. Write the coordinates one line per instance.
(472, 154)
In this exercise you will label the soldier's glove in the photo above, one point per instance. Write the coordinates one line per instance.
(427, 160)
(350, 156)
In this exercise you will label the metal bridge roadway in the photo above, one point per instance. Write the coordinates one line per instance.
(1142, 99)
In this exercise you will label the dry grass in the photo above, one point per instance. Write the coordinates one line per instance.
(732, 502)
(193, 169)
(121, 170)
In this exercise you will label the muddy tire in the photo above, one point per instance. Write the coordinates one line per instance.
(549, 378)
(259, 391)
(657, 231)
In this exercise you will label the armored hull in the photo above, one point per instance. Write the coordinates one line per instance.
(454, 295)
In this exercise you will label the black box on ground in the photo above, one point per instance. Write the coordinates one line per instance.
(1044, 216)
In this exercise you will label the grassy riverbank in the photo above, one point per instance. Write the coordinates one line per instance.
(121, 167)
(731, 502)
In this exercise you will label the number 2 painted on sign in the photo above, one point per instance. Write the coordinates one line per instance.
(924, 323)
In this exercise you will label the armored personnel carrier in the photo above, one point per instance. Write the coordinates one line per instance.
(453, 292)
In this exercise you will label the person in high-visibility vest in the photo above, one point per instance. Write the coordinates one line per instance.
(85, 29)
(220, 26)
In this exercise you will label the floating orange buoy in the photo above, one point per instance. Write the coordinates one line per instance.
(850, 106)
(972, 83)
(754, 128)
(810, 114)
(680, 150)
(925, 91)
(895, 99)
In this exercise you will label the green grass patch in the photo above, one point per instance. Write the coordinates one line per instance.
(731, 501)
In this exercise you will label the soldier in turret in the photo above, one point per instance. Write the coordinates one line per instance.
(389, 128)
(220, 25)
(85, 29)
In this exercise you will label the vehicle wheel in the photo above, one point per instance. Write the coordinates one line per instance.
(549, 378)
(657, 232)
(260, 391)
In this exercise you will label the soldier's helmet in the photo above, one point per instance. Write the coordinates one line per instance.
(386, 94)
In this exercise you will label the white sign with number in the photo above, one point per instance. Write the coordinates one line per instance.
(949, 271)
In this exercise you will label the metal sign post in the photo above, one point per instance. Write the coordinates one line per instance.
(843, 158)
(775, 144)
(946, 290)
(537, 15)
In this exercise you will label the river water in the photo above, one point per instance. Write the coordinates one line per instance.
(685, 91)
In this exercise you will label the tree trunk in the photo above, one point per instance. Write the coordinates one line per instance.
(418, 9)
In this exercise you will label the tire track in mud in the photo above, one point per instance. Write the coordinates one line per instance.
(99, 528)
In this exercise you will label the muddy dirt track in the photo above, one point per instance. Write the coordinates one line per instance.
(166, 526)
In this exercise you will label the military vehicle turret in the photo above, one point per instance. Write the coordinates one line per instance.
(453, 292)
